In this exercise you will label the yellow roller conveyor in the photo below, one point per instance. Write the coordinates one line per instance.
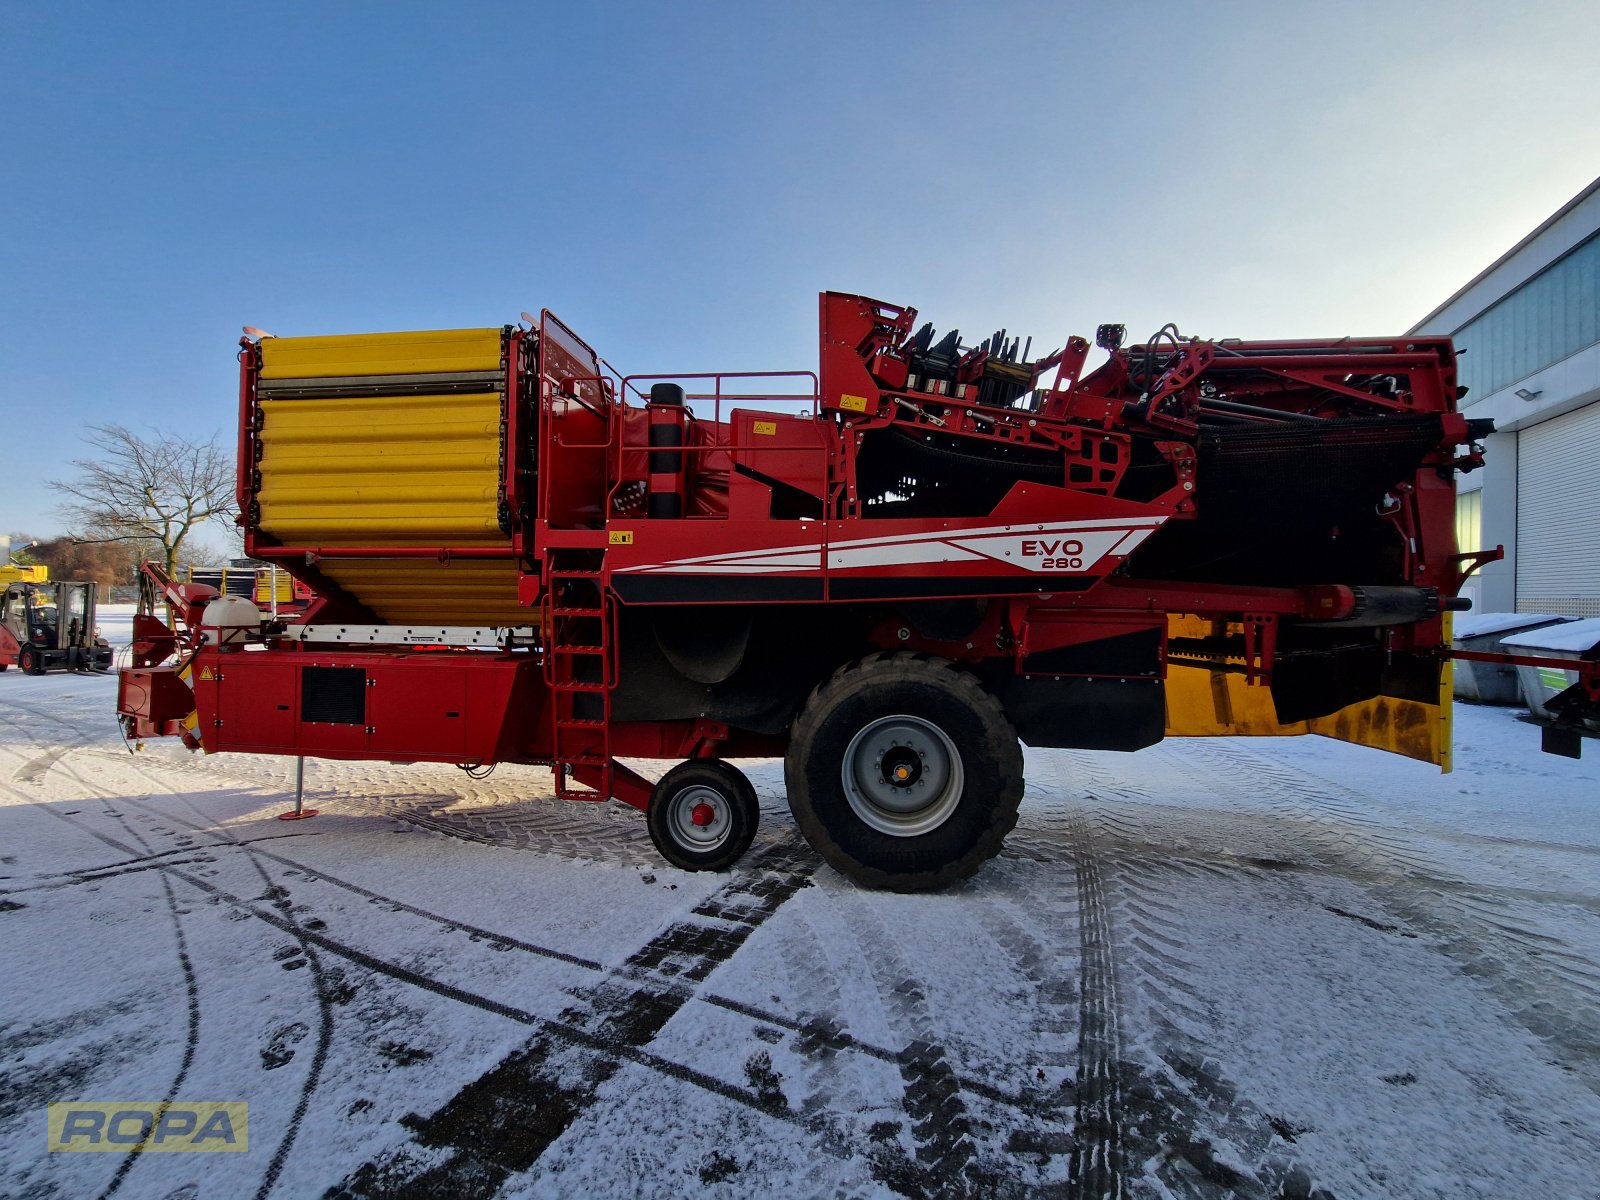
(342, 469)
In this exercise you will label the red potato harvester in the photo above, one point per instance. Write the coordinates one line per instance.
(888, 571)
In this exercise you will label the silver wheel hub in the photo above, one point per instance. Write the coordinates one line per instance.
(902, 775)
(701, 818)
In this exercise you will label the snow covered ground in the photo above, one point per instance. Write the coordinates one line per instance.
(1212, 968)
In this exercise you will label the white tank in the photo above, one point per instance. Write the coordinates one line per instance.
(230, 621)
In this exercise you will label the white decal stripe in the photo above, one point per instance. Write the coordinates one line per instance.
(1130, 543)
(900, 555)
(729, 569)
(740, 555)
(1026, 527)
(1099, 538)
(804, 560)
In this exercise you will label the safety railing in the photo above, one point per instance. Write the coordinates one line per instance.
(717, 388)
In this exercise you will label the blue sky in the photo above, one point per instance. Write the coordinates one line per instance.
(678, 181)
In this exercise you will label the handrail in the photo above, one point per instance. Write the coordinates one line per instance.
(718, 395)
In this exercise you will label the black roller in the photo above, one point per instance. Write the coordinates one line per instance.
(1383, 606)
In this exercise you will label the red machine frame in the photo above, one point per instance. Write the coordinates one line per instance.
(616, 499)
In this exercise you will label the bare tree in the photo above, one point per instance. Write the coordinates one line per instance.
(110, 564)
(157, 488)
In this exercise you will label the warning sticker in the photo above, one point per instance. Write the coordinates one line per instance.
(768, 428)
(853, 403)
(620, 537)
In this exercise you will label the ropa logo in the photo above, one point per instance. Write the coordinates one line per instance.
(1057, 554)
(155, 1125)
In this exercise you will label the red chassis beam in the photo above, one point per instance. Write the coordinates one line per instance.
(463, 707)
(1588, 670)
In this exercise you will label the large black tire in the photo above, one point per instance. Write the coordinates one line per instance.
(729, 802)
(904, 773)
(28, 661)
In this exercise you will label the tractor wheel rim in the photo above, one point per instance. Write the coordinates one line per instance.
(700, 837)
(902, 775)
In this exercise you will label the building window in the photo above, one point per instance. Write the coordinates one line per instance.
(1469, 521)
(1554, 315)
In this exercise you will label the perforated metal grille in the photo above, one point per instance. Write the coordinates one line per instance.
(333, 695)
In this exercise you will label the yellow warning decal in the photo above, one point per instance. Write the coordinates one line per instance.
(620, 537)
(768, 428)
(206, 675)
(853, 403)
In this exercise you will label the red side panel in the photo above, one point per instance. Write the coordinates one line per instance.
(423, 706)
(155, 700)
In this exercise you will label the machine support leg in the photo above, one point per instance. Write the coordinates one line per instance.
(301, 812)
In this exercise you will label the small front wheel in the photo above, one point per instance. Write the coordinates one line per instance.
(28, 661)
(703, 815)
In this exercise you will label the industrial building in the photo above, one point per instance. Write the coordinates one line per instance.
(1528, 332)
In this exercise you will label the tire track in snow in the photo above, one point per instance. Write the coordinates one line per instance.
(901, 1058)
(320, 986)
(1098, 1165)
(1189, 1126)
(1174, 1125)
(56, 880)
(822, 1028)
(820, 1038)
(191, 987)
(819, 1027)
(1545, 986)
(34, 772)
(805, 1027)
(501, 1123)
(558, 1027)
(1042, 1141)
(275, 895)
(946, 1156)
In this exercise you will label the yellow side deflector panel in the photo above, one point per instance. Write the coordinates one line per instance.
(427, 352)
(1202, 703)
(381, 471)
(392, 471)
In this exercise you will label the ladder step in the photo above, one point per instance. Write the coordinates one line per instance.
(587, 738)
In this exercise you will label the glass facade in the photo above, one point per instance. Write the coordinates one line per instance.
(1553, 315)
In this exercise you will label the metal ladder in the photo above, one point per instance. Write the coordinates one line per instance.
(580, 669)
